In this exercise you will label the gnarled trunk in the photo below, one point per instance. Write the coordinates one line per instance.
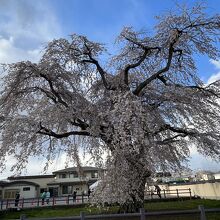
(136, 177)
(134, 204)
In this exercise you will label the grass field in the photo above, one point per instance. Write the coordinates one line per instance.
(62, 211)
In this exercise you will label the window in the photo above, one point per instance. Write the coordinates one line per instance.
(26, 188)
(67, 189)
(94, 174)
(75, 175)
(10, 194)
(63, 175)
(64, 190)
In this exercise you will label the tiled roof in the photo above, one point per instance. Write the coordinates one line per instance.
(30, 177)
(76, 169)
(4, 183)
(72, 182)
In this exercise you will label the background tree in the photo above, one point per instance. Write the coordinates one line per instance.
(144, 106)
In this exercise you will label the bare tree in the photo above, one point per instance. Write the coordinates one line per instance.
(144, 106)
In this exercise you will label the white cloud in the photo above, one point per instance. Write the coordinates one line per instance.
(36, 165)
(25, 27)
(10, 53)
(215, 76)
(216, 63)
(200, 162)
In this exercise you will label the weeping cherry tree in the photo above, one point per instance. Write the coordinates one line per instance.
(144, 107)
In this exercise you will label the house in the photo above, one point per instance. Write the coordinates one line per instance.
(73, 179)
(204, 175)
(217, 176)
(27, 186)
(60, 183)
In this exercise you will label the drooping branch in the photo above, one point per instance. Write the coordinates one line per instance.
(175, 130)
(170, 140)
(60, 100)
(204, 24)
(147, 50)
(96, 63)
(45, 131)
(100, 70)
(134, 65)
(142, 85)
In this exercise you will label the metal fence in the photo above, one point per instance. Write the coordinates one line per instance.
(142, 215)
(81, 199)
(38, 202)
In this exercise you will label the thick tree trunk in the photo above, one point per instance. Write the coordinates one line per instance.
(128, 168)
(135, 204)
(138, 177)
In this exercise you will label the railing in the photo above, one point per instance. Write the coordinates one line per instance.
(142, 215)
(37, 202)
(166, 193)
(81, 199)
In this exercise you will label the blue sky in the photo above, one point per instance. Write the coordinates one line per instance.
(27, 25)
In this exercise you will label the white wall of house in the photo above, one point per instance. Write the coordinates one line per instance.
(26, 191)
(70, 177)
(207, 190)
(40, 181)
(217, 176)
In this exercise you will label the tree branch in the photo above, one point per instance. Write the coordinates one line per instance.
(134, 65)
(157, 74)
(170, 139)
(175, 130)
(96, 63)
(141, 58)
(60, 100)
(48, 132)
(100, 70)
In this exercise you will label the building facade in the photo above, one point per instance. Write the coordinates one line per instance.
(60, 183)
(27, 186)
(73, 179)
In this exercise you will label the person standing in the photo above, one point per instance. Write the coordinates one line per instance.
(47, 197)
(158, 190)
(89, 192)
(17, 197)
(74, 196)
(43, 196)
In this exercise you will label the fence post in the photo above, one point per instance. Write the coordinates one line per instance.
(164, 193)
(7, 204)
(22, 217)
(1, 204)
(142, 212)
(202, 212)
(190, 193)
(82, 216)
(82, 198)
(177, 193)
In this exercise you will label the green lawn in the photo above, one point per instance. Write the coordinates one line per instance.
(149, 206)
(180, 205)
